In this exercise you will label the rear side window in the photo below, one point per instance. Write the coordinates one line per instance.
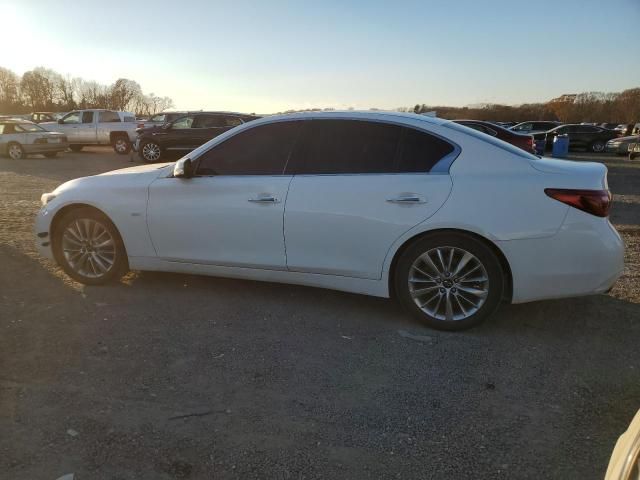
(345, 146)
(208, 121)
(87, 117)
(263, 150)
(419, 151)
(107, 117)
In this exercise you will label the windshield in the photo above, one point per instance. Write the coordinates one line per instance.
(29, 127)
(493, 140)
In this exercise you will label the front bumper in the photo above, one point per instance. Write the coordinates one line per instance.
(585, 257)
(619, 148)
(43, 234)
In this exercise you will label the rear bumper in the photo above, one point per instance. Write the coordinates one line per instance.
(585, 257)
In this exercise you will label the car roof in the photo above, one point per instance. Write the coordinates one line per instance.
(380, 115)
(15, 120)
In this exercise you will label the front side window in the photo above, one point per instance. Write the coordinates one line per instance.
(158, 118)
(182, 123)
(87, 117)
(108, 117)
(208, 121)
(263, 150)
(73, 117)
(345, 146)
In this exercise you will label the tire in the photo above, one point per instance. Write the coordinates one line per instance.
(50, 154)
(633, 155)
(416, 280)
(88, 247)
(597, 147)
(15, 151)
(121, 144)
(75, 148)
(150, 152)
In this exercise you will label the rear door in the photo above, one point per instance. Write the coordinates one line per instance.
(107, 122)
(357, 187)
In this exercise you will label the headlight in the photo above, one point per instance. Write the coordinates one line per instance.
(46, 198)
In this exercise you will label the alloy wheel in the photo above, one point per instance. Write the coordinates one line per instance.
(15, 151)
(151, 152)
(448, 283)
(121, 145)
(89, 248)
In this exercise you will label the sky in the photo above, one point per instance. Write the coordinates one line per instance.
(269, 56)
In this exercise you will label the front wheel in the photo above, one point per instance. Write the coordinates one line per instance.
(150, 152)
(121, 145)
(15, 151)
(449, 281)
(88, 247)
(597, 146)
(75, 148)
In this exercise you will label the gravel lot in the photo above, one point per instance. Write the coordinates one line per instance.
(167, 376)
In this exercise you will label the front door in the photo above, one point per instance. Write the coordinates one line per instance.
(231, 212)
(359, 186)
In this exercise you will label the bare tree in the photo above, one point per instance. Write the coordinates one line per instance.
(9, 85)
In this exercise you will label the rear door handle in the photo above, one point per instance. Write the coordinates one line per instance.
(265, 198)
(407, 199)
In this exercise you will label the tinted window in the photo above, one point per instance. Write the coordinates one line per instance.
(9, 128)
(183, 123)
(158, 118)
(345, 146)
(588, 129)
(420, 151)
(108, 117)
(262, 150)
(232, 121)
(208, 121)
(87, 117)
(523, 127)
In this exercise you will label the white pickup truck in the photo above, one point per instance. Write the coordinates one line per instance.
(97, 127)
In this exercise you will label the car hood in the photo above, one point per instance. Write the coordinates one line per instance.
(629, 139)
(139, 176)
(153, 167)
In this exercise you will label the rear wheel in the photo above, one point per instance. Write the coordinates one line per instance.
(449, 281)
(150, 152)
(50, 154)
(121, 145)
(15, 151)
(597, 146)
(75, 148)
(88, 247)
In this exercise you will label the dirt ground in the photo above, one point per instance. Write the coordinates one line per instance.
(167, 376)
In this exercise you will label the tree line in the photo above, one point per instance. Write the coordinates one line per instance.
(43, 89)
(597, 107)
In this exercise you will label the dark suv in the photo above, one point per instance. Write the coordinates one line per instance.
(186, 133)
(589, 137)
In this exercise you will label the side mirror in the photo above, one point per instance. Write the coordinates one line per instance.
(183, 168)
(167, 126)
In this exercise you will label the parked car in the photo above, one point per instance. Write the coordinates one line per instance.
(524, 142)
(588, 137)
(626, 129)
(505, 124)
(447, 219)
(634, 150)
(19, 138)
(534, 127)
(185, 133)
(97, 127)
(610, 126)
(620, 145)
(40, 117)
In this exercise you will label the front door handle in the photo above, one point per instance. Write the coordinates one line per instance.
(265, 198)
(407, 199)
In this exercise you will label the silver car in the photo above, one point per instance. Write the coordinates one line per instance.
(19, 138)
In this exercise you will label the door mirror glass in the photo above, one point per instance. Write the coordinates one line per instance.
(183, 168)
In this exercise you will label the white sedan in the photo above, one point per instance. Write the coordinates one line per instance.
(448, 220)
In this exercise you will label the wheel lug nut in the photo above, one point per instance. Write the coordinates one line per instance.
(442, 290)
(454, 290)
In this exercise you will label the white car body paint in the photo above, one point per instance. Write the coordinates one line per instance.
(340, 231)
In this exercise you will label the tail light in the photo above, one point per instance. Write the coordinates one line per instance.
(595, 202)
